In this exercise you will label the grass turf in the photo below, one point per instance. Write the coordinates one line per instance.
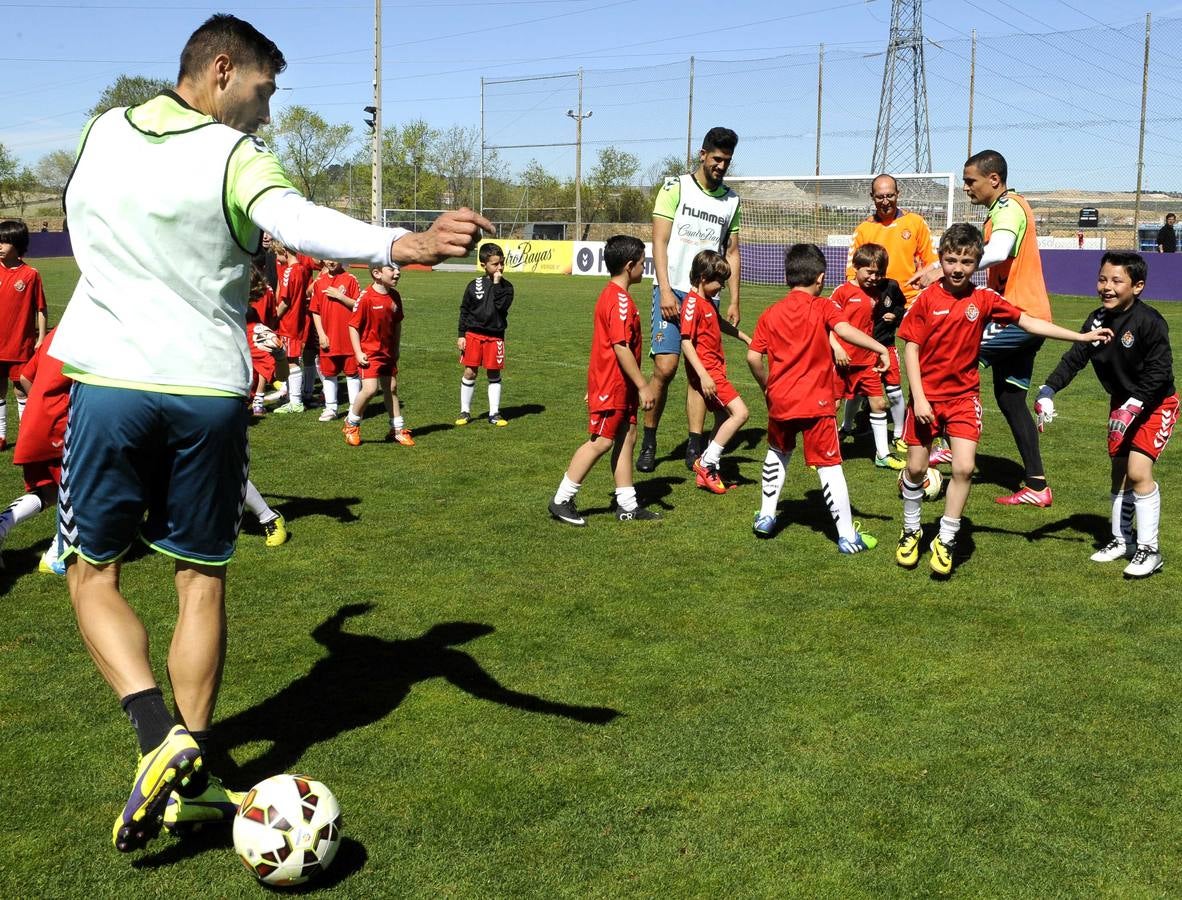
(506, 706)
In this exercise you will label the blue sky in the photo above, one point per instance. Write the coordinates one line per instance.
(1073, 127)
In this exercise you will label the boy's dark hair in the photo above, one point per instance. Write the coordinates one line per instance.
(620, 250)
(720, 138)
(989, 162)
(489, 250)
(803, 265)
(15, 233)
(962, 236)
(258, 284)
(709, 265)
(873, 255)
(1133, 263)
(241, 41)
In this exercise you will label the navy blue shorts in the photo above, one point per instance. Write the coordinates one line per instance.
(1010, 352)
(666, 336)
(169, 469)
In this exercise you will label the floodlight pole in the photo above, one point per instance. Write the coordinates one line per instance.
(1141, 141)
(375, 188)
(579, 117)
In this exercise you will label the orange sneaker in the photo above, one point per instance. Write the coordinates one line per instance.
(708, 478)
(400, 437)
(352, 435)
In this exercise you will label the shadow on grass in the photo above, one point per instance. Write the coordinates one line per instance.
(1075, 529)
(361, 681)
(295, 508)
(811, 512)
(999, 470)
(509, 413)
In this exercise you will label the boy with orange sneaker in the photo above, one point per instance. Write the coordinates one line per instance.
(375, 331)
(701, 346)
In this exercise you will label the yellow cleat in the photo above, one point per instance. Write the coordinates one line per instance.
(175, 764)
(907, 552)
(276, 531)
(941, 559)
(216, 805)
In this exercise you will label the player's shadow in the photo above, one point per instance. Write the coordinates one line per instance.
(652, 492)
(361, 681)
(509, 413)
(1078, 528)
(1000, 470)
(810, 512)
(295, 508)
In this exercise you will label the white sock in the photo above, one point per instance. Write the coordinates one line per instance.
(257, 505)
(54, 551)
(397, 423)
(1148, 516)
(494, 396)
(3, 418)
(949, 528)
(775, 469)
(912, 501)
(1123, 506)
(467, 392)
(837, 498)
(330, 393)
(879, 429)
(851, 412)
(898, 409)
(712, 454)
(352, 418)
(295, 384)
(353, 386)
(258, 400)
(626, 498)
(20, 408)
(23, 507)
(566, 490)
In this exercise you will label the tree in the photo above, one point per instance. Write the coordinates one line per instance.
(129, 90)
(309, 148)
(53, 169)
(456, 155)
(22, 188)
(613, 195)
(408, 155)
(665, 167)
(8, 176)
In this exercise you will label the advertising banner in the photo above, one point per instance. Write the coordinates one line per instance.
(588, 259)
(546, 257)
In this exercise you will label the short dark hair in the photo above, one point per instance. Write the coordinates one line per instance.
(871, 255)
(241, 41)
(708, 266)
(620, 250)
(489, 250)
(15, 233)
(989, 162)
(1170, 216)
(803, 265)
(962, 236)
(719, 138)
(1133, 263)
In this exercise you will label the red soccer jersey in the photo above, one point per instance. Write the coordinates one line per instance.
(794, 333)
(293, 290)
(699, 325)
(333, 315)
(265, 307)
(21, 298)
(43, 426)
(376, 316)
(948, 331)
(857, 308)
(616, 321)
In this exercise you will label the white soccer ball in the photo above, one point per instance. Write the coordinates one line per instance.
(287, 829)
(933, 482)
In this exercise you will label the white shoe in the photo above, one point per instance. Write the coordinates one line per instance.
(1145, 562)
(1112, 551)
(328, 415)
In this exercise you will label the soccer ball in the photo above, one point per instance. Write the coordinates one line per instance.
(932, 483)
(287, 829)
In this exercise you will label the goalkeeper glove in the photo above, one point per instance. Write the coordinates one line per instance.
(1044, 407)
(1118, 423)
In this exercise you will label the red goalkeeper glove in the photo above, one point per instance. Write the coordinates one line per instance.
(1118, 425)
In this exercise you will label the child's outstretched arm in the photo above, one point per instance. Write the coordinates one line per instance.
(728, 327)
(1043, 328)
(852, 335)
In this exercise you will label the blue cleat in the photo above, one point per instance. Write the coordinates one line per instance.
(764, 526)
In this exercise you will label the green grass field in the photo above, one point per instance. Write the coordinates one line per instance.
(506, 706)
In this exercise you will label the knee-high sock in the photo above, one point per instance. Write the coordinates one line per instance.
(775, 468)
(1148, 516)
(3, 418)
(1013, 407)
(878, 427)
(257, 505)
(20, 408)
(330, 392)
(912, 501)
(295, 383)
(898, 403)
(1123, 505)
(837, 498)
(467, 392)
(353, 385)
(23, 507)
(494, 394)
(850, 414)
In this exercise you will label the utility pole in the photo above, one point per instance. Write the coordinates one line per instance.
(903, 104)
(375, 188)
(579, 117)
(972, 89)
(1141, 142)
(689, 127)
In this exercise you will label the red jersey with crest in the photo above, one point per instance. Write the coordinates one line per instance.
(21, 298)
(699, 326)
(293, 290)
(335, 316)
(616, 321)
(376, 317)
(857, 308)
(794, 335)
(948, 331)
(43, 426)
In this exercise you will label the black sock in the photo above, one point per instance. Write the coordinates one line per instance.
(694, 444)
(1013, 406)
(202, 739)
(1036, 482)
(650, 437)
(149, 717)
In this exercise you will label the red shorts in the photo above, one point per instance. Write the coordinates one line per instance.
(378, 366)
(293, 346)
(264, 367)
(892, 376)
(611, 423)
(1151, 433)
(959, 417)
(483, 352)
(334, 365)
(42, 473)
(858, 381)
(724, 391)
(822, 446)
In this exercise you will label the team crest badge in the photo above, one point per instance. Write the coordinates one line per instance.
(971, 312)
(1126, 340)
(887, 301)
(906, 234)
(20, 285)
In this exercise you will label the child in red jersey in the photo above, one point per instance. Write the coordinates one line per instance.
(615, 388)
(942, 331)
(22, 316)
(701, 346)
(375, 331)
(295, 278)
(856, 376)
(39, 450)
(333, 296)
(797, 382)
